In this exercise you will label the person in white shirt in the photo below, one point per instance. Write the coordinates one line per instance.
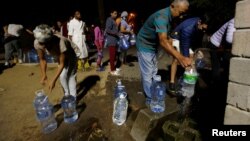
(76, 34)
(12, 42)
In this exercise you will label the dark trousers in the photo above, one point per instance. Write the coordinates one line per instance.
(112, 56)
(10, 47)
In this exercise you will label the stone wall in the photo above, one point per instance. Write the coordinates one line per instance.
(237, 111)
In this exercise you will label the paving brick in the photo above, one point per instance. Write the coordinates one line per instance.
(235, 116)
(185, 131)
(242, 16)
(144, 123)
(239, 70)
(238, 96)
(241, 42)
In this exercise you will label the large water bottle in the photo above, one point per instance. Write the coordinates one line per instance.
(124, 44)
(68, 104)
(120, 109)
(199, 60)
(158, 91)
(31, 56)
(119, 88)
(189, 80)
(132, 40)
(44, 112)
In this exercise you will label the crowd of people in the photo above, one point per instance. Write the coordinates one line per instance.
(67, 42)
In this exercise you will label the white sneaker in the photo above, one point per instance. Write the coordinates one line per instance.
(118, 69)
(6, 64)
(20, 61)
(115, 73)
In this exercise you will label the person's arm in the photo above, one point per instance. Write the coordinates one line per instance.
(185, 41)
(124, 31)
(109, 30)
(29, 31)
(70, 30)
(163, 39)
(43, 65)
(58, 72)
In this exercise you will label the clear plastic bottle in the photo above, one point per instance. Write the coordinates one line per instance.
(158, 91)
(189, 80)
(124, 43)
(120, 109)
(44, 112)
(132, 39)
(119, 88)
(68, 104)
(199, 60)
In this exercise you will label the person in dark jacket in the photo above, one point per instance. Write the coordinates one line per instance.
(187, 33)
(112, 36)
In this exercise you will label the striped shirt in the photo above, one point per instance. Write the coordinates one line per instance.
(217, 37)
(159, 22)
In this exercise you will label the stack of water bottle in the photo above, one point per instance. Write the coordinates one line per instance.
(120, 104)
(186, 84)
(45, 113)
(158, 92)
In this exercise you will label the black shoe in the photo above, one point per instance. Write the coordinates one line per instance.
(171, 88)
(131, 64)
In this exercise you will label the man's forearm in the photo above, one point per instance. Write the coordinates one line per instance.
(170, 49)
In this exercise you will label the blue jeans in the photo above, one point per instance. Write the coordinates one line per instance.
(148, 66)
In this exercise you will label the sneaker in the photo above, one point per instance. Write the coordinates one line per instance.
(118, 69)
(131, 64)
(100, 69)
(172, 88)
(20, 61)
(6, 64)
(115, 73)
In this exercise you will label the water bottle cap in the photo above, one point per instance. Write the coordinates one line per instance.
(40, 93)
(123, 95)
(157, 78)
(119, 82)
(121, 86)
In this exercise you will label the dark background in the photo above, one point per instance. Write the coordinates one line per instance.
(47, 11)
(32, 13)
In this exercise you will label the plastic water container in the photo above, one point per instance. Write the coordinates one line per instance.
(199, 60)
(158, 92)
(189, 80)
(120, 108)
(44, 112)
(123, 43)
(132, 39)
(119, 88)
(68, 104)
(31, 56)
(50, 58)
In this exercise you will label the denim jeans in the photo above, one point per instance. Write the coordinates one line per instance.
(148, 66)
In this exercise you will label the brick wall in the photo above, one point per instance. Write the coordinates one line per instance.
(238, 98)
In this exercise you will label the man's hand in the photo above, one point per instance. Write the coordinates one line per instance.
(185, 61)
